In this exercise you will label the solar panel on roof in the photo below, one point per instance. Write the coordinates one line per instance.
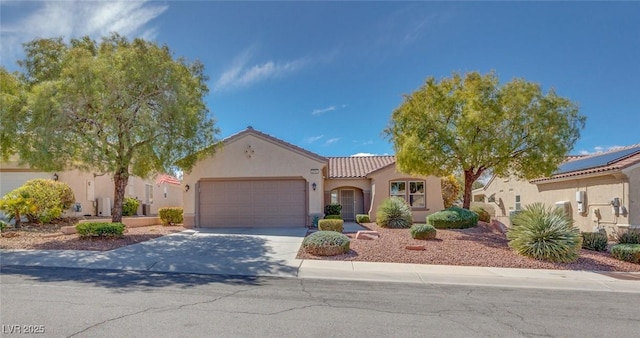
(596, 161)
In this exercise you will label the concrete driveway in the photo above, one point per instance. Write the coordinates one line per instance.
(226, 251)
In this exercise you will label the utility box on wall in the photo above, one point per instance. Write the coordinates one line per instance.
(565, 206)
(580, 201)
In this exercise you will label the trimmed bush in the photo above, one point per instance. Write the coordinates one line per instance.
(544, 233)
(332, 209)
(3, 226)
(453, 218)
(96, 229)
(40, 200)
(423, 231)
(362, 218)
(333, 217)
(629, 237)
(483, 215)
(336, 225)
(326, 243)
(171, 216)
(394, 213)
(595, 241)
(130, 206)
(626, 252)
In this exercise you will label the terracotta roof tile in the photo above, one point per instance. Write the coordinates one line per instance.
(357, 166)
(618, 164)
(164, 178)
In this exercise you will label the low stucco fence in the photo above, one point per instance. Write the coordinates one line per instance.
(131, 222)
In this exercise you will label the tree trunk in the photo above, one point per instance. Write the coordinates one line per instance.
(468, 188)
(120, 180)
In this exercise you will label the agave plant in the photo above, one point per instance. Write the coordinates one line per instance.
(545, 233)
(394, 213)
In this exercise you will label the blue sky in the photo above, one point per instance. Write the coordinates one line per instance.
(327, 75)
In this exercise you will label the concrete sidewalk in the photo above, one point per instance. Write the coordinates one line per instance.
(240, 253)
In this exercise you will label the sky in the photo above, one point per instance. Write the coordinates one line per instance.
(326, 76)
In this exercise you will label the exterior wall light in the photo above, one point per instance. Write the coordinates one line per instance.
(55, 176)
(314, 186)
(186, 188)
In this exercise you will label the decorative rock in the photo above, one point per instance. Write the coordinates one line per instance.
(367, 234)
(68, 230)
(415, 247)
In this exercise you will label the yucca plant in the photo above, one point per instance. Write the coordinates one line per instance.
(545, 233)
(394, 213)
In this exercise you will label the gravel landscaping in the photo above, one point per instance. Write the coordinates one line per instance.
(49, 237)
(479, 246)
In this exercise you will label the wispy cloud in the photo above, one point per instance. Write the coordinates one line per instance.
(242, 74)
(331, 141)
(321, 111)
(363, 154)
(314, 138)
(598, 149)
(71, 19)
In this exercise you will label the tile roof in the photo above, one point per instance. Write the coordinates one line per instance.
(357, 166)
(617, 164)
(164, 178)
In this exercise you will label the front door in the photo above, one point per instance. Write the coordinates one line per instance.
(348, 202)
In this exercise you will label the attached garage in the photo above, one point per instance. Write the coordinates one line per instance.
(277, 202)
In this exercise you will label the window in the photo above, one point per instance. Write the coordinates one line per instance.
(334, 196)
(517, 202)
(414, 195)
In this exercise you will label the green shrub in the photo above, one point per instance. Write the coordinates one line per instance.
(596, 241)
(453, 218)
(326, 243)
(332, 209)
(331, 225)
(333, 217)
(545, 234)
(130, 206)
(171, 216)
(95, 229)
(394, 213)
(362, 218)
(423, 231)
(629, 237)
(626, 252)
(40, 200)
(3, 225)
(483, 215)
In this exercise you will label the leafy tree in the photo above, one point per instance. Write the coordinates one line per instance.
(115, 106)
(12, 101)
(450, 190)
(472, 123)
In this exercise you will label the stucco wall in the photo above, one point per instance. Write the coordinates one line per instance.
(13, 176)
(634, 194)
(254, 156)
(599, 191)
(381, 190)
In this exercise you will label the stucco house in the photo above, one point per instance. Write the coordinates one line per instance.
(601, 190)
(257, 180)
(94, 192)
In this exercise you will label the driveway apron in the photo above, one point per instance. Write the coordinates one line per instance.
(224, 251)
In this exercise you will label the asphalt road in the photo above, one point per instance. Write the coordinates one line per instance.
(57, 302)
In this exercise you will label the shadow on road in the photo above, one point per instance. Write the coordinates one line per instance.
(124, 280)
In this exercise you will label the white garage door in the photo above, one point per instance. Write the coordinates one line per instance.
(253, 203)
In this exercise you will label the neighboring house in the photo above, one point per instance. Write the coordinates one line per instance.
(94, 192)
(257, 180)
(598, 191)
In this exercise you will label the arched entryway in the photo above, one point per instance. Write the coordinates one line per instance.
(350, 198)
